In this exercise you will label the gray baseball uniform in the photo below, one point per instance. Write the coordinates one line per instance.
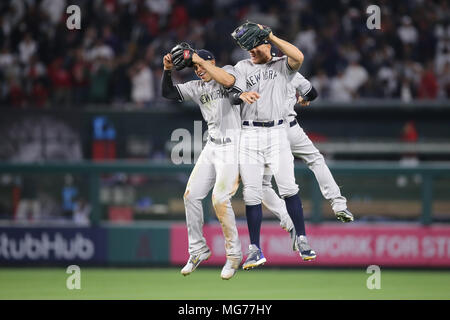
(303, 148)
(263, 137)
(217, 166)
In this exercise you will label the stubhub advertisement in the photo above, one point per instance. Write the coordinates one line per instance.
(52, 245)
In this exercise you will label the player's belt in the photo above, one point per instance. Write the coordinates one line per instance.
(220, 141)
(293, 123)
(262, 124)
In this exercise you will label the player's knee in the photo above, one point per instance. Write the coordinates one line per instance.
(219, 199)
(286, 192)
(252, 195)
(219, 207)
(190, 196)
(267, 182)
(266, 189)
(315, 159)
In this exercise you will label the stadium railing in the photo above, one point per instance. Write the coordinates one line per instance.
(363, 172)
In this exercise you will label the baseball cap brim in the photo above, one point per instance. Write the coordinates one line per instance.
(265, 41)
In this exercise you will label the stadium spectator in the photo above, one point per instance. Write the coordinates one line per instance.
(81, 212)
(160, 7)
(442, 53)
(444, 81)
(61, 83)
(179, 17)
(29, 207)
(142, 90)
(428, 87)
(111, 41)
(339, 91)
(307, 40)
(35, 78)
(406, 90)
(17, 96)
(7, 59)
(354, 76)
(407, 32)
(411, 72)
(39, 94)
(322, 84)
(27, 48)
(53, 10)
(100, 50)
(121, 32)
(99, 78)
(388, 80)
(80, 78)
(409, 132)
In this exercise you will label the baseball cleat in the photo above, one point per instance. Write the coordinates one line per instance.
(305, 251)
(254, 259)
(230, 268)
(194, 261)
(344, 215)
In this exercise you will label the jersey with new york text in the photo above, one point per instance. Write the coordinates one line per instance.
(270, 80)
(303, 86)
(213, 99)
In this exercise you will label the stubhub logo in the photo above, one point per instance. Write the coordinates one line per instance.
(46, 247)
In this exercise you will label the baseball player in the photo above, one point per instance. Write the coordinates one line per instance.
(217, 166)
(303, 148)
(264, 142)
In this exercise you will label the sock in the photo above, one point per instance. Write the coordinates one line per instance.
(254, 220)
(295, 210)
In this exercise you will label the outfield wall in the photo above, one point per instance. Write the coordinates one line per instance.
(147, 245)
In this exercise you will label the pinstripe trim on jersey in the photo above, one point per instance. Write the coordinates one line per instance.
(310, 87)
(237, 88)
(179, 92)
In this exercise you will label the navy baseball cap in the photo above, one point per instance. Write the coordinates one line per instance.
(265, 41)
(205, 54)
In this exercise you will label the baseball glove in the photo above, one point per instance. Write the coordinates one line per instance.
(250, 35)
(182, 56)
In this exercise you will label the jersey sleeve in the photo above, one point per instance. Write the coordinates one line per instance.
(239, 84)
(286, 68)
(186, 90)
(302, 84)
(231, 70)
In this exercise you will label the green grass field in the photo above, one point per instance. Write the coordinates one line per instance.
(206, 284)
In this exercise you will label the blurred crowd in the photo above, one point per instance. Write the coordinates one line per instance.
(116, 56)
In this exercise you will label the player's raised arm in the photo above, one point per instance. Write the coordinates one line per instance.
(168, 89)
(295, 56)
(218, 74)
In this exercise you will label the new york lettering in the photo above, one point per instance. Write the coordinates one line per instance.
(266, 75)
(213, 95)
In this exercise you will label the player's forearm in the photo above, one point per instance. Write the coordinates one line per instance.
(295, 56)
(234, 94)
(168, 89)
(219, 75)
